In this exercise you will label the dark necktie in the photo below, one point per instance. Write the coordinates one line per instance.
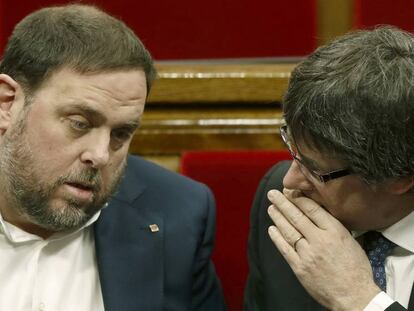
(378, 248)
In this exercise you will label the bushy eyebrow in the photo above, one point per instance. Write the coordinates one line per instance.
(131, 126)
(96, 115)
(84, 109)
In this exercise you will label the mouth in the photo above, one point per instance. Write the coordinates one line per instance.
(82, 191)
(82, 186)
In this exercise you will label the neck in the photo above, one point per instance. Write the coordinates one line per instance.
(21, 221)
(398, 210)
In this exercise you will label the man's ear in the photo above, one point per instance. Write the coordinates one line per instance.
(401, 185)
(8, 91)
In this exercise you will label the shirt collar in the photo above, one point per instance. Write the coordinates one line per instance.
(402, 232)
(16, 235)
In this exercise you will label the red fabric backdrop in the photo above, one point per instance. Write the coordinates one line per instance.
(369, 13)
(189, 29)
(2, 24)
(233, 177)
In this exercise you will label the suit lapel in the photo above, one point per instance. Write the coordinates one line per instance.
(129, 253)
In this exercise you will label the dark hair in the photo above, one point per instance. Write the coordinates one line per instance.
(80, 37)
(354, 99)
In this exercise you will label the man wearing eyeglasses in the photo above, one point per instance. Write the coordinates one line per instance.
(334, 229)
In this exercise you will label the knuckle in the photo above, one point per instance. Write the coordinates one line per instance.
(291, 237)
(296, 218)
(284, 251)
(308, 206)
(312, 209)
(284, 205)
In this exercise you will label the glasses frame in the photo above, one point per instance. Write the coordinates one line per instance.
(324, 178)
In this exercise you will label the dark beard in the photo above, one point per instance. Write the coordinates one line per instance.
(30, 196)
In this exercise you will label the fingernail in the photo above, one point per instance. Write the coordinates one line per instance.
(271, 209)
(272, 230)
(272, 194)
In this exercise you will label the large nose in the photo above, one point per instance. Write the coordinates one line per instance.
(295, 179)
(96, 153)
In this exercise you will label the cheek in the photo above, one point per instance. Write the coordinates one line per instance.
(41, 133)
(52, 151)
(43, 142)
(49, 144)
(115, 165)
(333, 200)
(48, 134)
(349, 208)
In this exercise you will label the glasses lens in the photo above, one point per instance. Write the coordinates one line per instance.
(294, 152)
(292, 149)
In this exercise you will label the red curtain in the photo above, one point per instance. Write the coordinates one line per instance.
(233, 176)
(369, 13)
(189, 29)
(2, 27)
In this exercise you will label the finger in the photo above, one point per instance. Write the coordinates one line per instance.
(315, 212)
(293, 214)
(297, 244)
(289, 233)
(284, 247)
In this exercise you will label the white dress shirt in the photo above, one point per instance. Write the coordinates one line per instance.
(399, 266)
(58, 273)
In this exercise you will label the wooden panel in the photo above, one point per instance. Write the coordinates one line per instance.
(211, 106)
(335, 18)
(200, 128)
(217, 83)
(171, 162)
(3, 36)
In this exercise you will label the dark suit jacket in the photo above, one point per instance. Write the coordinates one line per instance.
(165, 270)
(271, 283)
